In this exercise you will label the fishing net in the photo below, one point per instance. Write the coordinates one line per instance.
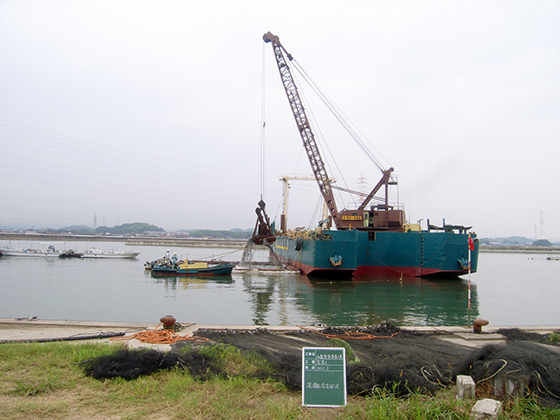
(382, 356)
(514, 370)
(247, 259)
(515, 334)
(248, 253)
(130, 364)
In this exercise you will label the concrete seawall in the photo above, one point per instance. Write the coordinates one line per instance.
(16, 330)
(187, 243)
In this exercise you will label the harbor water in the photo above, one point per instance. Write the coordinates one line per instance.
(509, 289)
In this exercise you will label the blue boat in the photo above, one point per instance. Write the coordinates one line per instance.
(368, 240)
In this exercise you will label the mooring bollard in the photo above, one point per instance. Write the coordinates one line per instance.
(477, 325)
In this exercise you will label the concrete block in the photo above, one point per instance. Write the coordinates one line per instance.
(509, 387)
(486, 409)
(465, 387)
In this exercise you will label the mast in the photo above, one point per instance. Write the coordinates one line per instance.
(302, 122)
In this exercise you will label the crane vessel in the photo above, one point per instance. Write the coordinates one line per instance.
(371, 239)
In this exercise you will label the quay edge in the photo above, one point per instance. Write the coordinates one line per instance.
(16, 330)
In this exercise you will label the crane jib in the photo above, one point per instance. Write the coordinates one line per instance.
(302, 122)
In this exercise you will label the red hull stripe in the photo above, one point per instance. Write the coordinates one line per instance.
(375, 270)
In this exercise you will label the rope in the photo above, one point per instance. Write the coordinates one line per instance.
(544, 386)
(160, 337)
(355, 335)
(220, 256)
(424, 373)
(495, 373)
(263, 119)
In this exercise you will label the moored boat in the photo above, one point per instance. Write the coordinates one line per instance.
(49, 252)
(264, 271)
(98, 253)
(187, 268)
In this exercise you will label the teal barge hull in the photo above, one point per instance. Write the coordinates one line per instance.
(345, 253)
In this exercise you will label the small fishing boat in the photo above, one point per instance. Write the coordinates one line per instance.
(265, 269)
(50, 252)
(98, 253)
(187, 268)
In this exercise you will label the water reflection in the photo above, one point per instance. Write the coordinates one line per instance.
(262, 291)
(402, 301)
(73, 289)
(360, 301)
(190, 282)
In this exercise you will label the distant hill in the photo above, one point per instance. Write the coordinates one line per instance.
(542, 242)
(125, 229)
(510, 241)
(128, 229)
(81, 228)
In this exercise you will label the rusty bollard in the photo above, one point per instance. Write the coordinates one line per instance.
(477, 325)
(168, 322)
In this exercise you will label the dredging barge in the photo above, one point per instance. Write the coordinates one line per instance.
(364, 241)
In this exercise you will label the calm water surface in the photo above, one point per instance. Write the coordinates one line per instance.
(510, 289)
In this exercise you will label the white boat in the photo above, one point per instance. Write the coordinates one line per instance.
(265, 269)
(98, 253)
(49, 252)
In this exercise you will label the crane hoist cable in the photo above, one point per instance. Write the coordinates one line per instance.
(356, 135)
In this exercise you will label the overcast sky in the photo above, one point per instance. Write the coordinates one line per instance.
(152, 111)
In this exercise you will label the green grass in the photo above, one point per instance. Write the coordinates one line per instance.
(554, 337)
(45, 381)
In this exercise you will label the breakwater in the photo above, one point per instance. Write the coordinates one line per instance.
(187, 243)
(521, 249)
(130, 241)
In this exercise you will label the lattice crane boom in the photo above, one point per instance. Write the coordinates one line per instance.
(307, 136)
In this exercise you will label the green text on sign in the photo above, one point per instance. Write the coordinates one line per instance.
(323, 376)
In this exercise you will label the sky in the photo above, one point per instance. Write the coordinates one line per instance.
(173, 113)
